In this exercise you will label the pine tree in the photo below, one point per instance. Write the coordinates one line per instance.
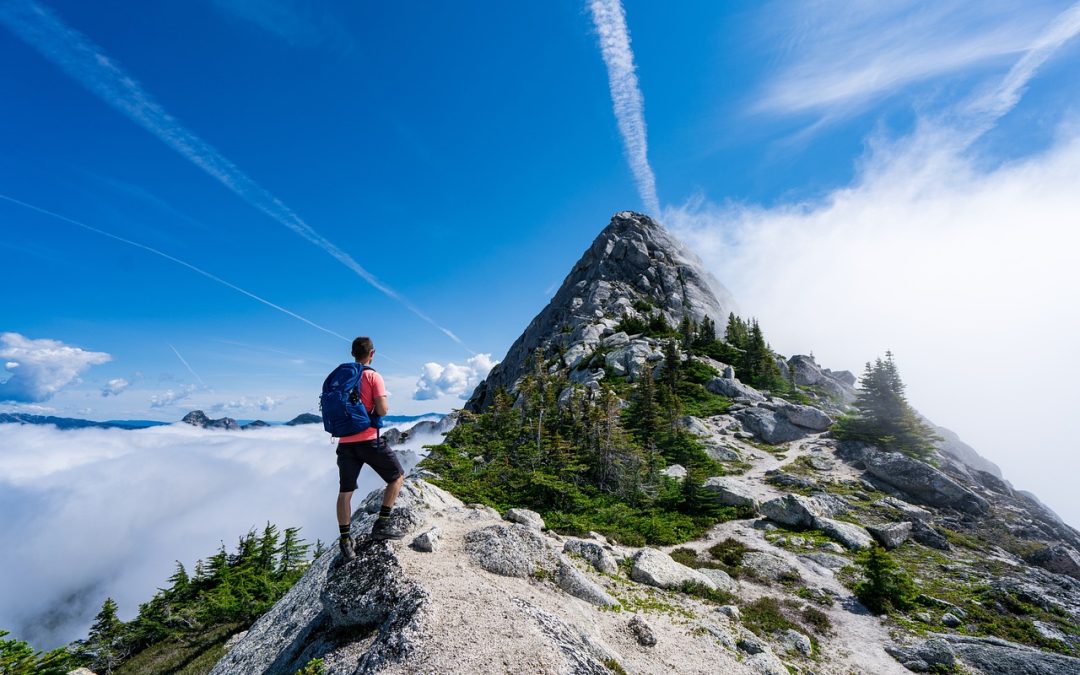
(885, 586)
(736, 333)
(293, 554)
(268, 548)
(884, 417)
(105, 642)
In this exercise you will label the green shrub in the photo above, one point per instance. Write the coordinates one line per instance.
(313, 667)
(730, 552)
(817, 620)
(699, 590)
(765, 615)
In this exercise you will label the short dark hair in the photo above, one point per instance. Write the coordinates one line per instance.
(361, 347)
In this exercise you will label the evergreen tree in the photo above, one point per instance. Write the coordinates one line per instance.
(884, 417)
(736, 334)
(885, 586)
(293, 555)
(104, 645)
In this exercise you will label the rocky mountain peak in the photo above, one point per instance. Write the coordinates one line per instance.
(633, 269)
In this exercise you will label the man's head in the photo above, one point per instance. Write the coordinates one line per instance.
(362, 349)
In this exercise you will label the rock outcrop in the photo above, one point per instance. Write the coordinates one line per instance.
(923, 482)
(632, 265)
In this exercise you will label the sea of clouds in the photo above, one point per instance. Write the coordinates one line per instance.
(97, 513)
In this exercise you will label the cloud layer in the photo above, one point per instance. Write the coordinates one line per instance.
(610, 21)
(438, 380)
(38, 369)
(95, 513)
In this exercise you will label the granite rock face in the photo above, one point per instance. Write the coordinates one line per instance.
(633, 259)
(923, 482)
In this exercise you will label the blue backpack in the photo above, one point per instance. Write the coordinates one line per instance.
(343, 412)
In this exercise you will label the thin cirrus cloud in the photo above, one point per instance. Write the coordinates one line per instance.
(629, 104)
(952, 261)
(38, 369)
(82, 60)
(836, 57)
(300, 24)
(178, 261)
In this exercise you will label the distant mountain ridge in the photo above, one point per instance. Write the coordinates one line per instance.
(65, 423)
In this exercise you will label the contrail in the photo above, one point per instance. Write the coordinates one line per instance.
(176, 260)
(187, 365)
(84, 61)
(610, 21)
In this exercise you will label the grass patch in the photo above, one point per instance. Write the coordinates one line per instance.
(765, 615)
(613, 666)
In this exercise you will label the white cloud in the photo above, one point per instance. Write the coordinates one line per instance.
(38, 369)
(244, 404)
(840, 55)
(125, 504)
(610, 21)
(171, 396)
(438, 380)
(114, 387)
(968, 274)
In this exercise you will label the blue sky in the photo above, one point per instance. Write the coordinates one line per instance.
(462, 155)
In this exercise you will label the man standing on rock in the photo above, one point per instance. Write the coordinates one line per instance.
(367, 447)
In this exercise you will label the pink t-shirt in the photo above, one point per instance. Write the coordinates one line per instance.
(371, 388)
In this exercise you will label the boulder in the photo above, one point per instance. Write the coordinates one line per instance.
(510, 550)
(854, 537)
(730, 492)
(574, 582)
(805, 416)
(766, 425)
(732, 388)
(1059, 559)
(656, 568)
(923, 482)
(928, 536)
(482, 511)
(792, 510)
(722, 579)
(427, 541)
(731, 611)
(370, 589)
(593, 553)
(526, 517)
(793, 641)
(829, 561)
(890, 535)
(642, 632)
(993, 656)
(933, 652)
(949, 619)
(675, 471)
(768, 567)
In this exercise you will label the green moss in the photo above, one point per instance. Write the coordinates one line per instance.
(613, 666)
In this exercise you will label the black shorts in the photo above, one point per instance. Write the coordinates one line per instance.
(351, 457)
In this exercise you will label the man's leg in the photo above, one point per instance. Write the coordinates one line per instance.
(348, 470)
(391, 492)
(344, 508)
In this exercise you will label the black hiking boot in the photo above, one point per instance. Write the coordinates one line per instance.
(386, 528)
(347, 546)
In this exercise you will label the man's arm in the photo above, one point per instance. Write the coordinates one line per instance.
(382, 405)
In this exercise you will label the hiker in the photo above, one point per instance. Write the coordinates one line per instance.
(367, 447)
